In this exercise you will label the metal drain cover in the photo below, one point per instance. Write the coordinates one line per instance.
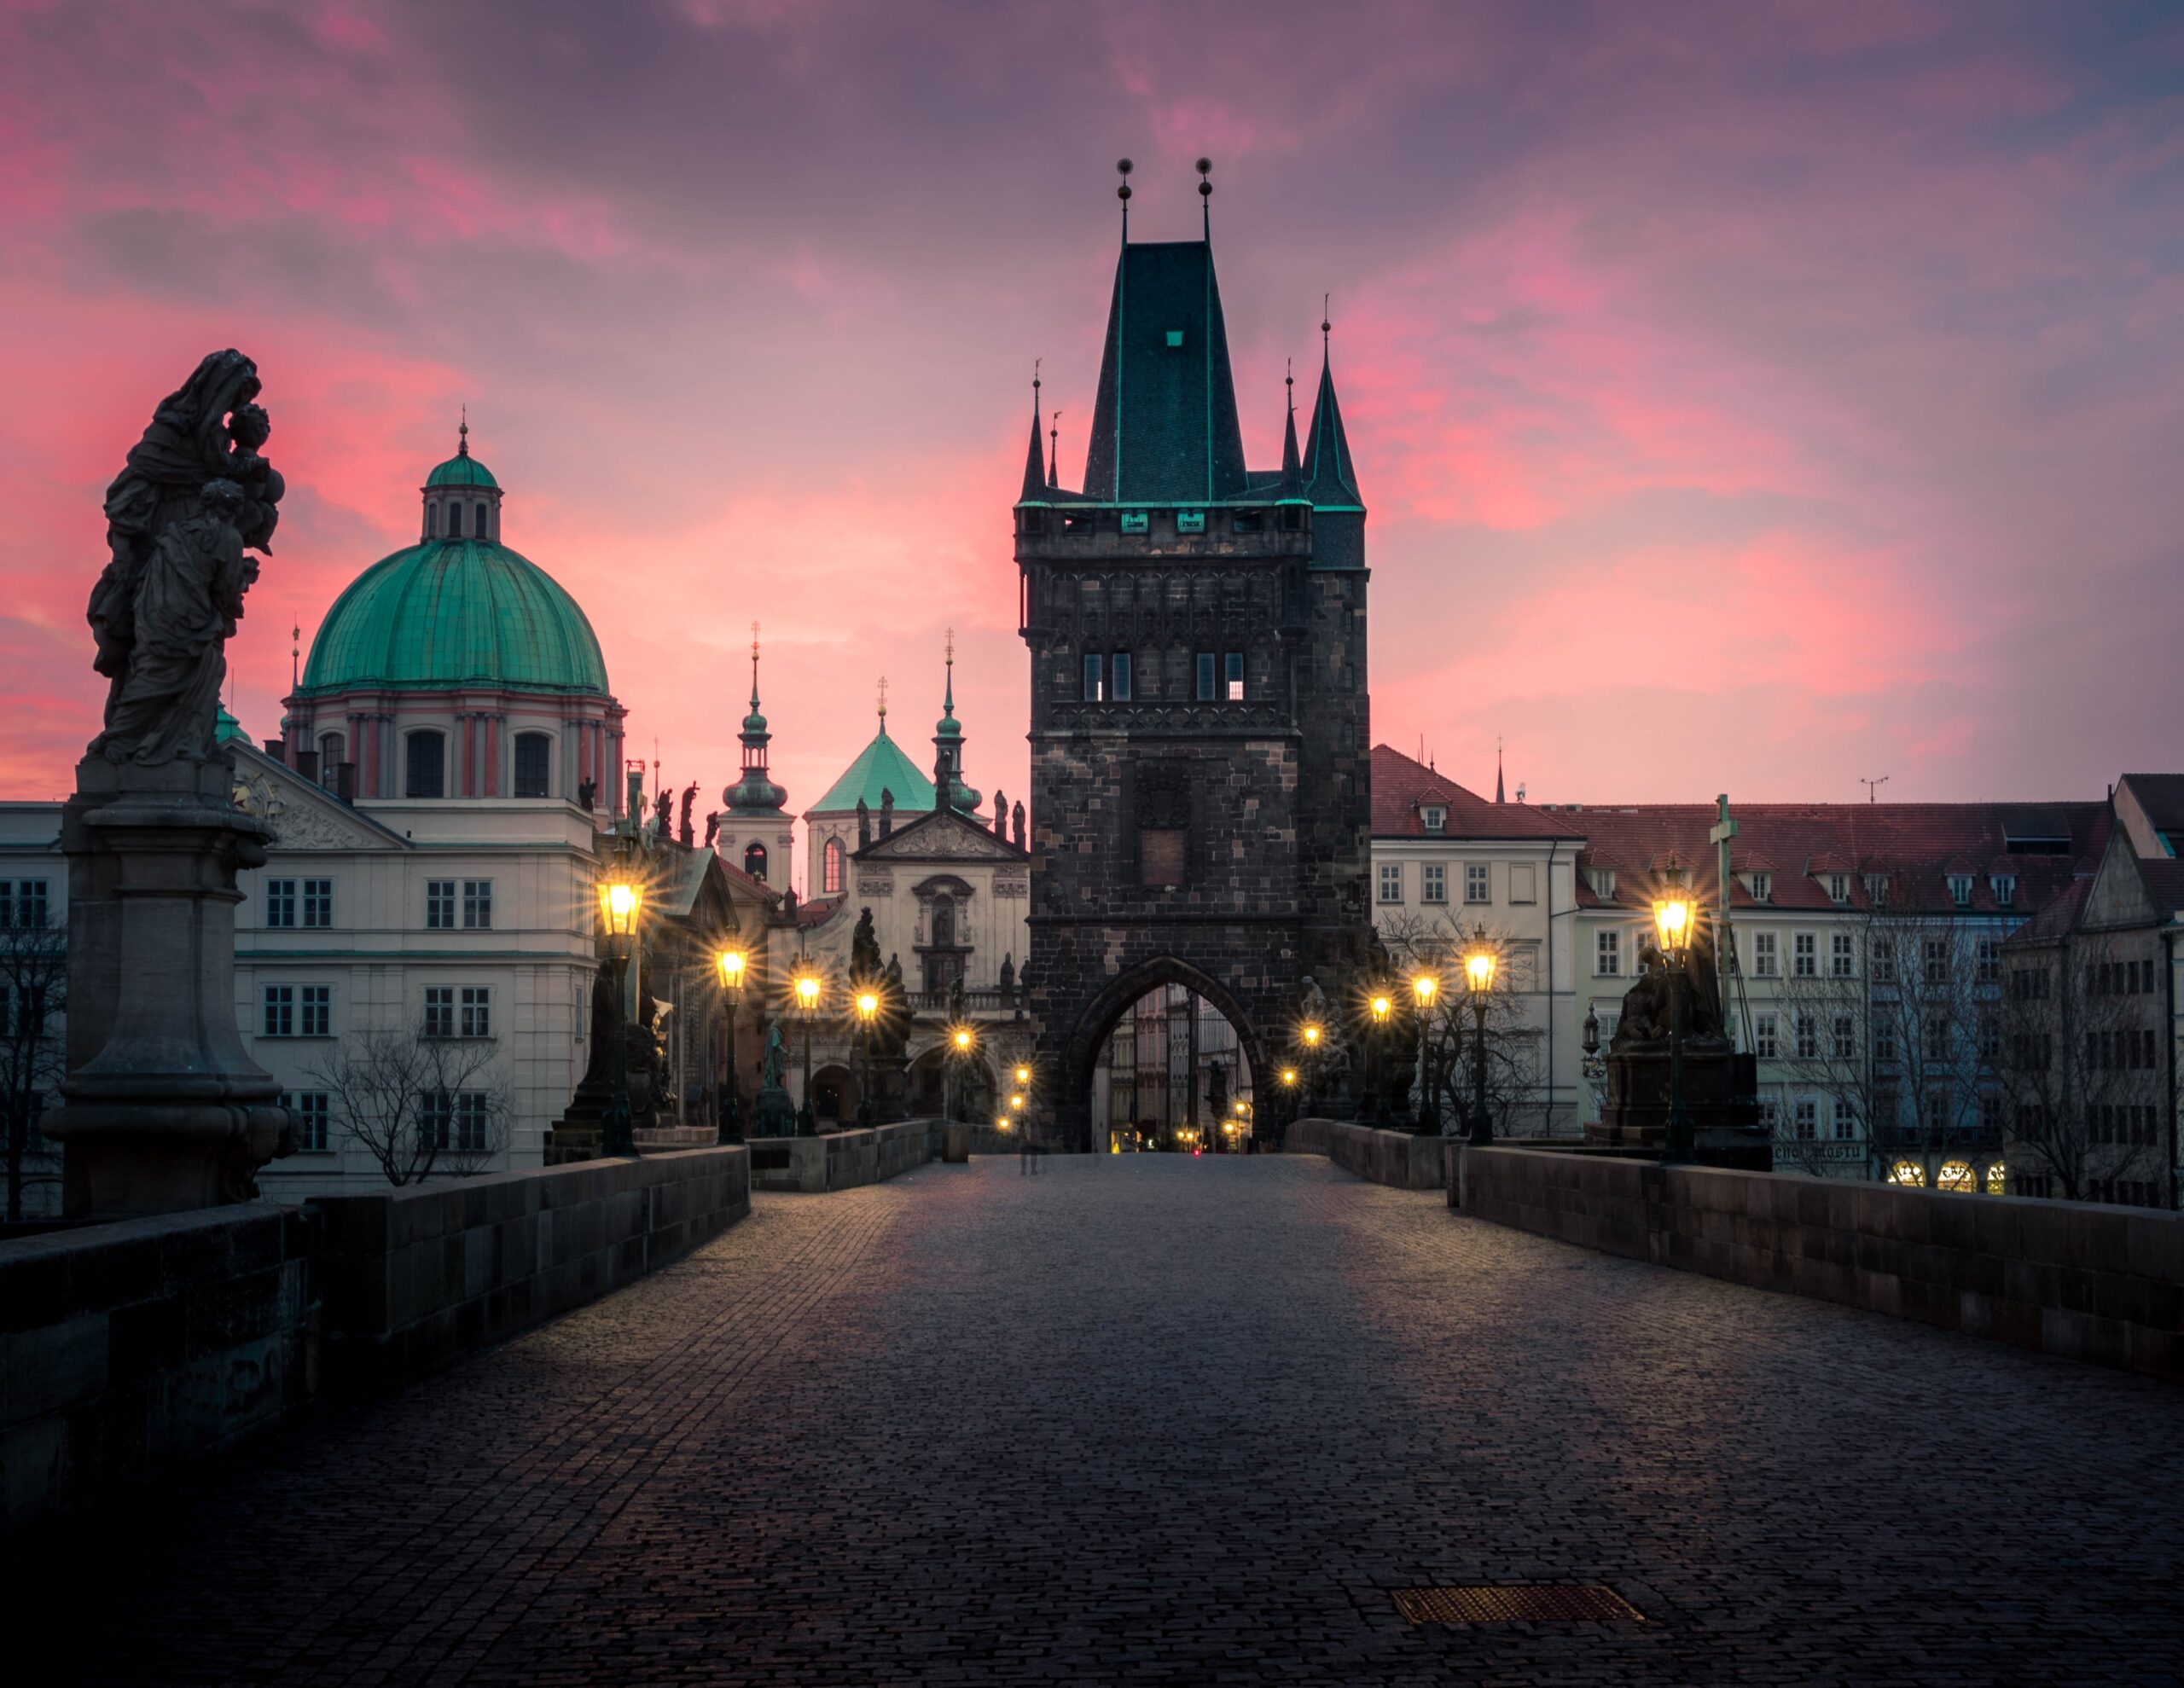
(1527, 1602)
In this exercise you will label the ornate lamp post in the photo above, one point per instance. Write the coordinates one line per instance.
(731, 963)
(1312, 1033)
(806, 986)
(1478, 974)
(867, 1008)
(1424, 987)
(1672, 923)
(961, 1042)
(1383, 1004)
(621, 906)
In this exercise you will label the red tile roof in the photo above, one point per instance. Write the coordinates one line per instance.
(2162, 796)
(1402, 787)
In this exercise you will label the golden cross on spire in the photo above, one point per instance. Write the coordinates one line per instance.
(951, 647)
(883, 697)
(754, 641)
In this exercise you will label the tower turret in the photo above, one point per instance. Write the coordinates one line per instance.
(948, 748)
(755, 793)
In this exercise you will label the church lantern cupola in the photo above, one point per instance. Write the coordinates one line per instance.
(754, 793)
(462, 501)
(947, 746)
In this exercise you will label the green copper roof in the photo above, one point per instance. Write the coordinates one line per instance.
(462, 470)
(226, 726)
(455, 613)
(880, 766)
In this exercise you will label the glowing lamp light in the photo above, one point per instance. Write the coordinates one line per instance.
(867, 1004)
(807, 991)
(1312, 1037)
(1023, 1075)
(1425, 988)
(1478, 968)
(1672, 920)
(1016, 1101)
(1240, 1107)
(620, 903)
(1289, 1075)
(1382, 1007)
(730, 962)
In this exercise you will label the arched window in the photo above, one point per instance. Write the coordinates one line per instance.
(432, 521)
(534, 753)
(754, 861)
(831, 871)
(331, 747)
(943, 922)
(454, 520)
(479, 529)
(426, 765)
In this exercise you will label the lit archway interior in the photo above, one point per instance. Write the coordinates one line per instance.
(1172, 1075)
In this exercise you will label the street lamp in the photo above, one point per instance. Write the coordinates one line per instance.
(731, 964)
(1478, 974)
(621, 906)
(867, 1008)
(1310, 1034)
(1672, 923)
(1424, 987)
(806, 986)
(1383, 1004)
(961, 1041)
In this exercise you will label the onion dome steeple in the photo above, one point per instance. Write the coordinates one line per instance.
(948, 745)
(754, 793)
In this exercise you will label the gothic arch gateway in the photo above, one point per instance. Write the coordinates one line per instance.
(1200, 726)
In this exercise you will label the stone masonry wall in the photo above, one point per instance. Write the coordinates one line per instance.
(412, 1278)
(125, 1347)
(2100, 1283)
(1397, 1159)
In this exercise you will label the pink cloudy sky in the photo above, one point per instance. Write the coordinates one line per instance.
(1746, 397)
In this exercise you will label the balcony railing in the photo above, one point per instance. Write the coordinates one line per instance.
(995, 1001)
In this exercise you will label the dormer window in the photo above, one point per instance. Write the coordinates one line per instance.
(1960, 890)
(1877, 890)
(1190, 521)
(1435, 818)
(1839, 888)
(1762, 886)
(1603, 882)
(2005, 888)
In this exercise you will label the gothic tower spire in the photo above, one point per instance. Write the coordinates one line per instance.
(755, 792)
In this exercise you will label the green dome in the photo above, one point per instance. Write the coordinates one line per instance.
(455, 613)
(462, 470)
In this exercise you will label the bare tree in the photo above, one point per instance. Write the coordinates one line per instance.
(1515, 1079)
(2085, 1075)
(33, 999)
(419, 1106)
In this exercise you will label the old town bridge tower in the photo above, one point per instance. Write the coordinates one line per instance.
(1200, 780)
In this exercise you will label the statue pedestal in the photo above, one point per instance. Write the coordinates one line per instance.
(163, 1109)
(772, 1115)
(1715, 1081)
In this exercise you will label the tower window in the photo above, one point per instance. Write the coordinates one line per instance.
(533, 760)
(754, 861)
(331, 748)
(1205, 676)
(427, 759)
(1190, 521)
(432, 521)
(1095, 689)
(1234, 690)
(1120, 671)
(830, 875)
(1134, 521)
(479, 529)
(454, 520)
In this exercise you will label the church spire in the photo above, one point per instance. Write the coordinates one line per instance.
(1035, 461)
(949, 790)
(1331, 479)
(1292, 473)
(1498, 796)
(755, 792)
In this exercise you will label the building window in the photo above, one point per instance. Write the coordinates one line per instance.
(1205, 676)
(439, 905)
(308, 1108)
(1804, 955)
(1762, 887)
(1119, 668)
(1960, 890)
(1933, 1111)
(1935, 954)
(1766, 956)
(1096, 690)
(318, 903)
(454, 521)
(534, 757)
(332, 748)
(2005, 888)
(1990, 1036)
(1884, 959)
(1477, 882)
(454, 1121)
(1846, 1121)
(1990, 1115)
(1433, 882)
(279, 1017)
(1936, 1039)
(1764, 1042)
(1435, 818)
(432, 521)
(1807, 1116)
(316, 1012)
(1884, 1042)
(1988, 960)
(439, 1010)
(1607, 955)
(1161, 856)
(426, 764)
(830, 869)
(478, 522)
(280, 902)
(1845, 1041)
(477, 1004)
(477, 905)
(1877, 890)
(1235, 689)
(754, 861)
(1839, 888)
(1842, 953)
(1808, 1038)
(1391, 881)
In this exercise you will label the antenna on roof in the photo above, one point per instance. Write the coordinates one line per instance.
(1205, 196)
(1326, 320)
(1123, 168)
(1872, 785)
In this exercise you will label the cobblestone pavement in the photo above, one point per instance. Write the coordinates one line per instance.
(1153, 1419)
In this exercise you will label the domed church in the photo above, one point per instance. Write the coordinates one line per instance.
(458, 668)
